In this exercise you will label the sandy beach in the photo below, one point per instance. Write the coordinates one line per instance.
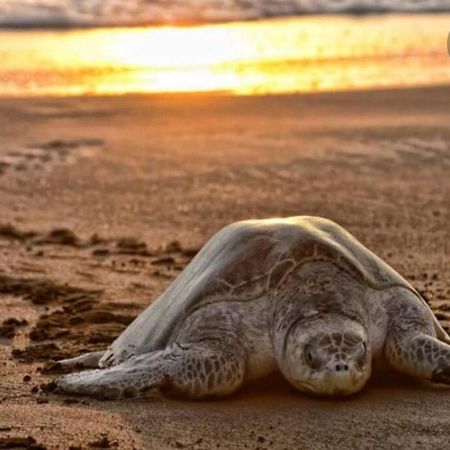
(104, 200)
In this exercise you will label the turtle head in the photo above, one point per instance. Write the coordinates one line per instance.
(327, 356)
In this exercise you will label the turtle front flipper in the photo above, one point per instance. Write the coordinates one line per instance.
(412, 346)
(125, 380)
(419, 355)
(194, 370)
(85, 361)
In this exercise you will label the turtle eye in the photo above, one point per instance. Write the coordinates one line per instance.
(310, 357)
(360, 355)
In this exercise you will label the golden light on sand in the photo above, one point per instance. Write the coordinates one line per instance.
(288, 55)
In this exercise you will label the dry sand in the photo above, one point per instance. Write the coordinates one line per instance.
(104, 200)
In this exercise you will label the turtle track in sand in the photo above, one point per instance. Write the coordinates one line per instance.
(46, 155)
(76, 316)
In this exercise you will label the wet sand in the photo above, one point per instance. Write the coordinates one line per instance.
(105, 200)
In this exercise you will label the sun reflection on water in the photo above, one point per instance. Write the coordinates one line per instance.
(273, 56)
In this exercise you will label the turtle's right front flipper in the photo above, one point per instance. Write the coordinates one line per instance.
(195, 370)
(128, 379)
(85, 361)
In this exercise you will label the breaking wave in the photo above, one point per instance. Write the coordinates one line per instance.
(65, 13)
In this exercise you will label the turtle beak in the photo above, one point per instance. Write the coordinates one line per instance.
(305, 387)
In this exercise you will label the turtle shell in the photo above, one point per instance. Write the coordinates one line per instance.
(244, 261)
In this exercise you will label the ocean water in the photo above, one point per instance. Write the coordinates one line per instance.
(282, 55)
(26, 13)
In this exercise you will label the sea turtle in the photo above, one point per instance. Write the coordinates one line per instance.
(299, 294)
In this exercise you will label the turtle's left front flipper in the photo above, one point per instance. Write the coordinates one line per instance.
(419, 355)
(414, 346)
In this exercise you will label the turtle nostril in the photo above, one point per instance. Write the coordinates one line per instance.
(340, 367)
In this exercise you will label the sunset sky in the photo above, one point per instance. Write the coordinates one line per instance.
(293, 53)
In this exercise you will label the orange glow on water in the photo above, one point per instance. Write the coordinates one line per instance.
(274, 56)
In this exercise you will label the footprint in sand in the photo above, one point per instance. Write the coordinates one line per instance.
(45, 156)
